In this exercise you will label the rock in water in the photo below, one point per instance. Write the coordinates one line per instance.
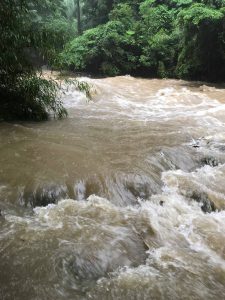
(206, 204)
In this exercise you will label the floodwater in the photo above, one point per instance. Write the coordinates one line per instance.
(124, 199)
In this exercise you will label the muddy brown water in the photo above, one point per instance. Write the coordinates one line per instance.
(124, 199)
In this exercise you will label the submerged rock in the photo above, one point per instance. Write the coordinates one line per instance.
(96, 261)
(42, 195)
(100, 238)
(206, 204)
(209, 160)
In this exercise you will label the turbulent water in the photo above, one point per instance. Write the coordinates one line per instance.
(124, 199)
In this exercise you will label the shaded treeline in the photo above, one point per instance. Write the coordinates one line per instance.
(172, 38)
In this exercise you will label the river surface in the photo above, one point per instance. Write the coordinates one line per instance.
(124, 199)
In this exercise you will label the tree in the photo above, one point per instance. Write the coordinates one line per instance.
(170, 38)
(23, 94)
(96, 12)
(79, 30)
(202, 55)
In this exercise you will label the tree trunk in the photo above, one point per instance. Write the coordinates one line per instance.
(79, 29)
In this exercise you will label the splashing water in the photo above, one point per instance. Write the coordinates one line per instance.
(123, 200)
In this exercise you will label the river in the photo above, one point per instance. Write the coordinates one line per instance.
(124, 199)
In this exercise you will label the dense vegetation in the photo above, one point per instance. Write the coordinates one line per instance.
(171, 38)
(25, 29)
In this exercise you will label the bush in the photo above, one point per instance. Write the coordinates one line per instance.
(23, 94)
(30, 98)
(202, 54)
(105, 49)
(171, 38)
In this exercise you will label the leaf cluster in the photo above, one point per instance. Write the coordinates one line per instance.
(170, 38)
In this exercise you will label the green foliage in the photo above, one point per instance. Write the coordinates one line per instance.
(122, 12)
(23, 94)
(198, 13)
(156, 18)
(161, 53)
(97, 48)
(12, 25)
(96, 12)
(124, 44)
(161, 71)
(164, 38)
(81, 86)
(30, 98)
(203, 48)
(51, 26)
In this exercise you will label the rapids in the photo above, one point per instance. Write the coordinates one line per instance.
(124, 199)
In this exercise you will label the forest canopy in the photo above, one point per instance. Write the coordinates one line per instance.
(151, 38)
